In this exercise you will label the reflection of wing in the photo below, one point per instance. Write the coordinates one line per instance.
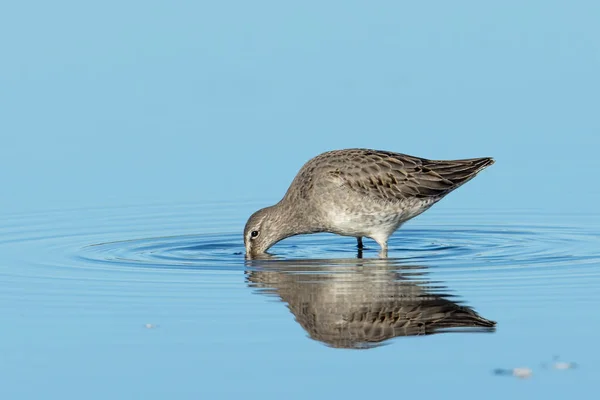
(358, 306)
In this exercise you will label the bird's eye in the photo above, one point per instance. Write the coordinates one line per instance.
(254, 234)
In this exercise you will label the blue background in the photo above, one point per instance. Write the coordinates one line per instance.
(119, 103)
(116, 103)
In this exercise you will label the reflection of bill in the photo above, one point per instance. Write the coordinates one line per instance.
(360, 303)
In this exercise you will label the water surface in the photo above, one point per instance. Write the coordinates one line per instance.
(159, 302)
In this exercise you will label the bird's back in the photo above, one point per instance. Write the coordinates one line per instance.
(386, 175)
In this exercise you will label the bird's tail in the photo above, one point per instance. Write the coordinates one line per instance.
(459, 172)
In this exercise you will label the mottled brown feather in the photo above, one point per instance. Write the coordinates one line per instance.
(394, 176)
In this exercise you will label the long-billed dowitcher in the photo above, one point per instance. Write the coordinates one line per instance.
(357, 192)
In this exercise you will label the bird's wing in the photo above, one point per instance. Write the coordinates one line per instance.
(394, 176)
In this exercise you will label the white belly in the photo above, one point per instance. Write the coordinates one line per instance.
(377, 221)
(351, 224)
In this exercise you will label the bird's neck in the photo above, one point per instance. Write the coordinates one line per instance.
(294, 219)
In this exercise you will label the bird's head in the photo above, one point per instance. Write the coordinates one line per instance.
(264, 228)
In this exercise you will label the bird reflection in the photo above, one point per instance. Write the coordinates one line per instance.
(361, 303)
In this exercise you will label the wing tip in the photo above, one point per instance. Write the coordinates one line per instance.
(487, 161)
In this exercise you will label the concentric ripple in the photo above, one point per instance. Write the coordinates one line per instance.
(209, 237)
(498, 253)
(446, 244)
(496, 245)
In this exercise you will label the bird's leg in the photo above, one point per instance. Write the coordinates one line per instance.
(359, 253)
(383, 252)
(360, 243)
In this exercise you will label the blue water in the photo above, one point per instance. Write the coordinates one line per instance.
(158, 302)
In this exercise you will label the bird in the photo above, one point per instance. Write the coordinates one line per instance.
(363, 303)
(359, 193)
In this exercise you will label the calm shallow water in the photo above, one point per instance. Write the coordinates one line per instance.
(159, 302)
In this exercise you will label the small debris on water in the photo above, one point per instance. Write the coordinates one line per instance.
(521, 372)
(564, 365)
(150, 326)
(560, 365)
